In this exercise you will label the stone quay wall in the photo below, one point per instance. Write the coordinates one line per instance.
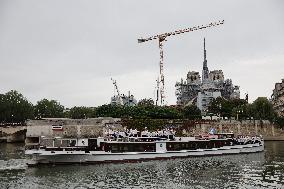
(71, 128)
(95, 127)
(12, 133)
(248, 127)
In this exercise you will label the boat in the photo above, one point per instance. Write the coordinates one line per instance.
(138, 148)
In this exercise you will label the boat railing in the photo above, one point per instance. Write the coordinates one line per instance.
(139, 138)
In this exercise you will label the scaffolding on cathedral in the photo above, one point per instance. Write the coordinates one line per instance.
(201, 92)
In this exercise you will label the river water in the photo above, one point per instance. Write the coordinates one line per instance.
(258, 170)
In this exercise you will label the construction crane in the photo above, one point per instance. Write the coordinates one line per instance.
(116, 99)
(161, 38)
(115, 87)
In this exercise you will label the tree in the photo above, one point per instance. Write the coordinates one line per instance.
(14, 107)
(162, 112)
(82, 112)
(280, 122)
(192, 112)
(108, 110)
(146, 102)
(263, 109)
(147, 111)
(221, 106)
(228, 108)
(48, 108)
(216, 105)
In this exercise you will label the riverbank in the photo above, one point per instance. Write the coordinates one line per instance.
(269, 131)
(94, 127)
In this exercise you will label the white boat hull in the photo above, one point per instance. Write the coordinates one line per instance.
(68, 157)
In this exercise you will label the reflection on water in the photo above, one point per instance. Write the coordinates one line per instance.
(259, 170)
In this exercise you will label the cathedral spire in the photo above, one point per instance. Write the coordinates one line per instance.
(204, 49)
(205, 72)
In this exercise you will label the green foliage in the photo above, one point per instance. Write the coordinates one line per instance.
(280, 121)
(263, 109)
(109, 110)
(14, 107)
(248, 111)
(227, 108)
(191, 112)
(48, 108)
(146, 102)
(156, 112)
(81, 112)
(140, 124)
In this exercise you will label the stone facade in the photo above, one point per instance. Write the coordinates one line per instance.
(216, 76)
(204, 99)
(277, 98)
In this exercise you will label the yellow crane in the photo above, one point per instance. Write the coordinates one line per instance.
(161, 38)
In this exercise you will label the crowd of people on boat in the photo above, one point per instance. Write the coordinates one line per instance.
(169, 133)
(164, 133)
(247, 139)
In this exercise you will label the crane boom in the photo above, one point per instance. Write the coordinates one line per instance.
(161, 38)
(164, 35)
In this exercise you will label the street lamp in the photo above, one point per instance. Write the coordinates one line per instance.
(239, 112)
(220, 107)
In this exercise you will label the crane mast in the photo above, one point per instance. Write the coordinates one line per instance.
(161, 38)
(115, 86)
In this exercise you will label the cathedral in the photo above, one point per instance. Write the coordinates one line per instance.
(201, 91)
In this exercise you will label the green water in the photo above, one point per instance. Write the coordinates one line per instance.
(258, 170)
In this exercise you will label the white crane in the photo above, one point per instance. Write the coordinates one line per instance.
(115, 86)
(161, 38)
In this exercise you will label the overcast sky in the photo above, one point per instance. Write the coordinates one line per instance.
(69, 50)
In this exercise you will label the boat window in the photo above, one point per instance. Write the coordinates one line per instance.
(57, 143)
(132, 147)
(65, 143)
(32, 140)
(92, 144)
(54, 149)
(176, 146)
(46, 142)
(124, 148)
(114, 148)
(72, 142)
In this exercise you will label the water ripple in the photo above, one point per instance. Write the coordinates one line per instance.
(259, 170)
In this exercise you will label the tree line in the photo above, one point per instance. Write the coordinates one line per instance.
(240, 109)
(14, 107)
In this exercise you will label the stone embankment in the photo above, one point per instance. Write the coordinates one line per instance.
(95, 127)
(248, 127)
(13, 133)
(71, 128)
